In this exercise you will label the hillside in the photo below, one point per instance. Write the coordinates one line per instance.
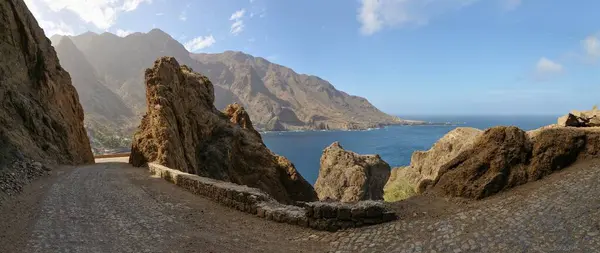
(108, 74)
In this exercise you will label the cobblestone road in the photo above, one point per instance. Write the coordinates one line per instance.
(558, 214)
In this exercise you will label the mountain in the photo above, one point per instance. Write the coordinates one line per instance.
(276, 97)
(108, 120)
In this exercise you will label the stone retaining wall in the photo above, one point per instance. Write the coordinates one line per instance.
(330, 216)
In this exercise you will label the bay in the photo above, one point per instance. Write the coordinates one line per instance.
(395, 144)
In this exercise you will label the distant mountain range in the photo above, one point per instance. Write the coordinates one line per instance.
(107, 71)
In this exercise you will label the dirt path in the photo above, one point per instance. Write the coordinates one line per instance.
(112, 207)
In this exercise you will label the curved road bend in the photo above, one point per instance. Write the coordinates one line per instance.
(113, 207)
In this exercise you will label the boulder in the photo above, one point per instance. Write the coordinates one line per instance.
(348, 177)
(505, 157)
(425, 165)
(40, 114)
(183, 130)
(580, 119)
(569, 120)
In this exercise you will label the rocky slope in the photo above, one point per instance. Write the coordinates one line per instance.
(349, 177)
(40, 114)
(279, 98)
(276, 97)
(498, 159)
(108, 120)
(183, 130)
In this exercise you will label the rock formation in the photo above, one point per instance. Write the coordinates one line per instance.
(425, 165)
(183, 130)
(502, 158)
(40, 114)
(275, 97)
(581, 119)
(348, 177)
(41, 120)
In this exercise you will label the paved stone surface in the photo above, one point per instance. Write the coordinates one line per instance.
(557, 214)
(115, 208)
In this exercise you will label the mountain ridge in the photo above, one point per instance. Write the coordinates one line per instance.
(276, 97)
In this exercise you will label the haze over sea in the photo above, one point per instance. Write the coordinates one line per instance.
(395, 144)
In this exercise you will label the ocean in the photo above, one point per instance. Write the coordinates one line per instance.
(395, 144)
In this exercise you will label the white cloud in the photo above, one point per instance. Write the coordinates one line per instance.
(510, 5)
(374, 15)
(199, 43)
(123, 33)
(238, 14)
(238, 22)
(101, 13)
(52, 28)
(591, 45)
(159, 14)
(546, 68)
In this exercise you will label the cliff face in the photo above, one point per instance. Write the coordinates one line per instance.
(183, 130)
(349, 177)
(40, 114)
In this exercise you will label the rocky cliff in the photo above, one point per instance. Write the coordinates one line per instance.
(40, 114)
(275, 97)
(183, 130)
(503, 157)
(349, 177)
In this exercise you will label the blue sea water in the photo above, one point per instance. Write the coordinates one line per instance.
(395, 144)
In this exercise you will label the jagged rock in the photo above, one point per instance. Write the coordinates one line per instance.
(504, 157)
(425, 165)
(581, 119)
(347, 176)
(40, 114)
(183, 130)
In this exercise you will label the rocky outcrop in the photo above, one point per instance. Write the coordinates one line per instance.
(183, 130)
(473, 164)
(425, 165)
(504, 157)
(40, 114)
(581, 119)
(348, 177)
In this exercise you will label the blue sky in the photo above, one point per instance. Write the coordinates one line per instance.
(405, 56)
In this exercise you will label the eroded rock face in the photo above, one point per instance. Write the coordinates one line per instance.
(40, 114)
(504, 157)
(183, 130)
(425, 165)
(347, 176)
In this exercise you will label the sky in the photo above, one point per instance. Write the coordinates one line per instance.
(408, 57)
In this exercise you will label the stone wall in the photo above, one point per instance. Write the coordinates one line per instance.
(330, 216)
